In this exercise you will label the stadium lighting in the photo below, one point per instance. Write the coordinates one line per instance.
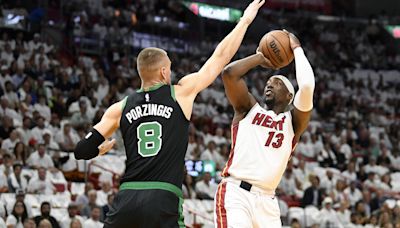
(214, 12)
(394, 30)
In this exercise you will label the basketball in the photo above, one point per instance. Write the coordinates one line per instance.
(275, 45)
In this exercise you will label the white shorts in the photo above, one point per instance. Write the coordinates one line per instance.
(236, 207)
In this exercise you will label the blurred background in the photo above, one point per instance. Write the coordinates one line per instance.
(62, 63)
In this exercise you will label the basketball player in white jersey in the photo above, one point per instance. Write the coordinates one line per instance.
(262, 140)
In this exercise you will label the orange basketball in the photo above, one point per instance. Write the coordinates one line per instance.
(275, 45)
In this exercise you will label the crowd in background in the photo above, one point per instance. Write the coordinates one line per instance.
(346, 168)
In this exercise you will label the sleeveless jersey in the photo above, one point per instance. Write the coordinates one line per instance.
(262, 144)
(155, 133)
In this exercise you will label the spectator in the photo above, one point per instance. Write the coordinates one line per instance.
(20, 153)
(19, 196)
(41, 184)
(3, 182)
(360, 212)
(7, 165)
(188, 188)
(29, 223)
(302, 174)
(329, 181)
(350, 173)
(366, 199)
(35, 43)
(211, 153)
(94, 220)
(40, 158)
(37, 131)
(305, 148)
(49, 143)
(219, 138)
(76, 223)
(25, 131)
(87, 209)
(313, 194)
(43, 108)
(372, 181)
(44, 223)
(67, 221)
(83, 200)
(45, 210)
(8, 124)
(82, 117)
(206, 189)
(353, 194)
(288, 183)
(103, 193)
(66, 138)
(11, 95)
(7, 55)
(395, 160)
(106, 208)
(328, 214)
(16, 180)
(9, 143)
(343, 214)
(18, 216)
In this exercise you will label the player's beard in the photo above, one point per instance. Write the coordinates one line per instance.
(269, 101)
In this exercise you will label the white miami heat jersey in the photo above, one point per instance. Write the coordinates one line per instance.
(262, 144)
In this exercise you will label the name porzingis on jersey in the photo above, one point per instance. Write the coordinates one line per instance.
(264, 120)
(149, 110)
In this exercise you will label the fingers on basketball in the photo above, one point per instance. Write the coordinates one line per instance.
(276, 46)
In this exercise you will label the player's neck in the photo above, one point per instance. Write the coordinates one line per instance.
(148, 85)
(277, 108)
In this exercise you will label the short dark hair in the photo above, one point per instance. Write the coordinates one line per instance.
(95, 207)
(17, 165)
(44, 204)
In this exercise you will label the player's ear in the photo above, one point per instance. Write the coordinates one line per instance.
(163, 72)
(290, 96)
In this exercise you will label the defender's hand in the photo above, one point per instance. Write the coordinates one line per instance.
(251, 11)
(294, 41)
(106, 146)
(264, 61)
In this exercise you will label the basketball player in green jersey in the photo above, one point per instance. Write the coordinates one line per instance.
(154, 124)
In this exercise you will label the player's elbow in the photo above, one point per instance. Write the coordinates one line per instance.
(79, 152)
(85, 151)
(308, 88)
(227, 73)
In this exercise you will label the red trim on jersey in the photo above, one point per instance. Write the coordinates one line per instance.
(220, 210)
(235, 129)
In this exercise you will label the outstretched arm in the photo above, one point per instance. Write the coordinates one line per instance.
(303, 100)
(235, 86)
(189, 86)
(93, 144)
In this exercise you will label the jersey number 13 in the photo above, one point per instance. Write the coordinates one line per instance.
(276, 141)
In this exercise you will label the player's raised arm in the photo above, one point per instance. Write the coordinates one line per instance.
(235, 86)
(303, 100)
(192, 84)
(94, 142)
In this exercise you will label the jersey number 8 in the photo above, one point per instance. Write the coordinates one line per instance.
(149, 136)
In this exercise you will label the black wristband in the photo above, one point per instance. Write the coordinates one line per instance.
(87, 148)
